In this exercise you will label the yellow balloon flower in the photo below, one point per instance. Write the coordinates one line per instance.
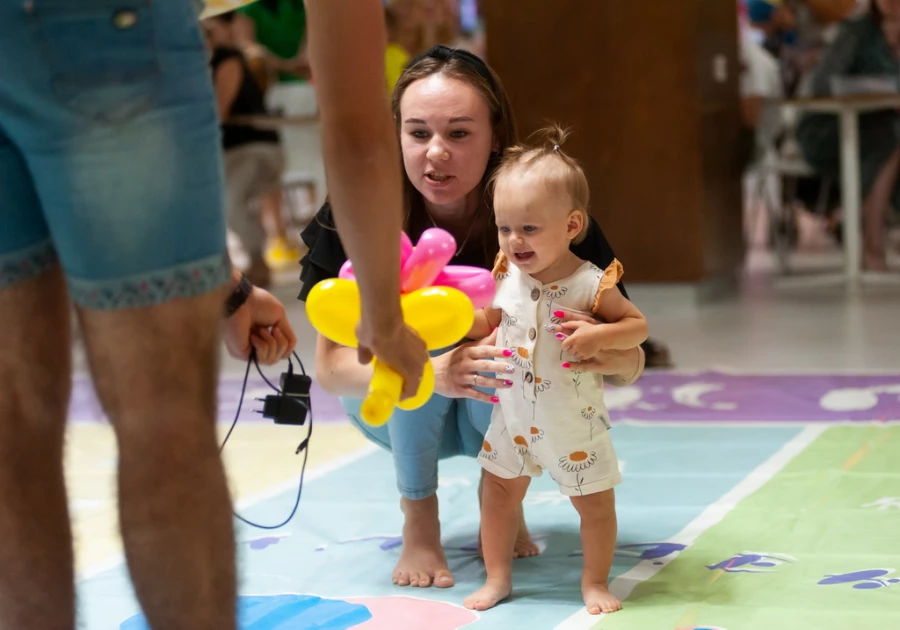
(440, 315)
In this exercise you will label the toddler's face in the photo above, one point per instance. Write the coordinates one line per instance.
(535, 223)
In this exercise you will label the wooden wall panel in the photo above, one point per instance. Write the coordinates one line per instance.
(635, 84)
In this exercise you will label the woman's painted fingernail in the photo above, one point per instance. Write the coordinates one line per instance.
(560, 336)
(567, 365)
(558, 314)
(507, 353)
(508, 383)
(495, 400)
(549, 327)
(510, 369)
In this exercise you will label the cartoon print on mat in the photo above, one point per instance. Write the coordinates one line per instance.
(866, 579)
(281, 612)
(645, 551)
(858, 398)
(650, 551)
(387, 541)
(884, 504)
(751, 562)
(292, 611)
(258, 544)
(401, 612)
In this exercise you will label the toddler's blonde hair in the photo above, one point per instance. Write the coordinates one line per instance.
(561, 171)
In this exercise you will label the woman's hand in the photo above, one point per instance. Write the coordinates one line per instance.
(622, 367)
(457, 373)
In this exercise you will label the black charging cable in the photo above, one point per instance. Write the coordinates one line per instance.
(290, 404)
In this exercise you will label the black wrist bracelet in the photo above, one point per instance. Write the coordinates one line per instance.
(238, 296)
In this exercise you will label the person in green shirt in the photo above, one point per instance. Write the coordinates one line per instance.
(274, 32)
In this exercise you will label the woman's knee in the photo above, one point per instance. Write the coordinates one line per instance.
(416, 440)
(376, 435)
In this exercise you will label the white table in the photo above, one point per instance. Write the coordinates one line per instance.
(848, 108)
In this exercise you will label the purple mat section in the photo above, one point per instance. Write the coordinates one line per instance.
(716, 396)
(658, 396)
(85, 408)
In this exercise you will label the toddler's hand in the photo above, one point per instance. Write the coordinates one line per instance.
(582, 339)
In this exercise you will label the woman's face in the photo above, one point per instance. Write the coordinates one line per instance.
(446, 138)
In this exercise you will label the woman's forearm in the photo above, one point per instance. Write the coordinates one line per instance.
(632, 372)
(338, 370)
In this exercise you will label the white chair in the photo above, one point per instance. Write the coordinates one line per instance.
(773, 173)
(299, 190)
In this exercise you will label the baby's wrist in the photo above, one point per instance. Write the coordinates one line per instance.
(599, 335)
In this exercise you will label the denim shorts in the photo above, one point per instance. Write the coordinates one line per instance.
(110, 155)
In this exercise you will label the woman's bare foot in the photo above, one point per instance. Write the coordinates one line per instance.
(422, 561)
(598, 599)
(492, 593)
(524, 547)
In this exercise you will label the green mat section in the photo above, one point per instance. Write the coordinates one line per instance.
(817, 547)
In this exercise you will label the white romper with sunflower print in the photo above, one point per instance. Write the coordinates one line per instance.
(552, 418)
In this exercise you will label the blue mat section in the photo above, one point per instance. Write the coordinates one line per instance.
(344, 541)
(285, 612)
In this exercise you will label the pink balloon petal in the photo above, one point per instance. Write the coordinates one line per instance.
(431, 254)
(477, 283)
(406, 249)
(346, 271)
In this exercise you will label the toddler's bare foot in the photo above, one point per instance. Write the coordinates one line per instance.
(524, 547)
(492, 593)
(422, 561)
(598, 599)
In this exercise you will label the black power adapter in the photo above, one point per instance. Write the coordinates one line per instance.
(293, 403)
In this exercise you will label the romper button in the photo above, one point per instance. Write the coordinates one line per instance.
(535, 294)
(532, 334)
(529, 377)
